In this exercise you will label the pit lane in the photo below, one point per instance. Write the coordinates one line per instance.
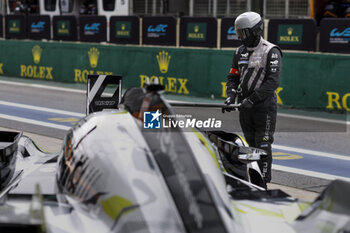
(308, 152)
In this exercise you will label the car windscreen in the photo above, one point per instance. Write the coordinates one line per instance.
(181, 172)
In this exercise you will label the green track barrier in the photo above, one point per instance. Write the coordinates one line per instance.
(309, 80)
(320, 81)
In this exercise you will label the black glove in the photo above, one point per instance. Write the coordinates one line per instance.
(231, 96)
(230, 100)
(247, 103)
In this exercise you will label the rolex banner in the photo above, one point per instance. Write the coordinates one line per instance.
(198, 31)
(124, 30)
(305, 83)
(159, 30)
(294, 34)
(335, 35)
(64, 28)
(15, 26)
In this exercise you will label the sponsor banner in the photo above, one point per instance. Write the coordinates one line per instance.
(93, 28)
(335, 35)
(30, 61)
(95, 61)
(198, 31)
(124, 30)
(294, 34)
(228, 34)
(159, 30)
(39, 27)
(15, 27)
(321, 82)
(308, 80)
(1, 33)
(65, 28)
(290, 34)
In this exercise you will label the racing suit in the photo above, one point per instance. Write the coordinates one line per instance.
(254, 76)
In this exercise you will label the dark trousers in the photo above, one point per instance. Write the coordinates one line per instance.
(258, 125)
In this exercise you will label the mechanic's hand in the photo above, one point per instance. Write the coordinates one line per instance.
(247, 103)
(231, 95)
(223, 110)
(229, 100)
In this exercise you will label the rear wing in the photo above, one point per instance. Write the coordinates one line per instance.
(98, 98)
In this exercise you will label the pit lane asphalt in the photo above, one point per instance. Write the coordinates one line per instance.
(306, 132)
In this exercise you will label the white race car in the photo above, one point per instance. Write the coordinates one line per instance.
(113, 175)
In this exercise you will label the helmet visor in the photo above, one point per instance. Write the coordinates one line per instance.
(243, 34)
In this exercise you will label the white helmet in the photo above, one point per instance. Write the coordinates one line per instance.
(249, 27)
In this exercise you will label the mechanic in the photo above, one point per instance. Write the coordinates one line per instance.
(253, 79)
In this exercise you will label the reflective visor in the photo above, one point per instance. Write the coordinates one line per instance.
(243, 33)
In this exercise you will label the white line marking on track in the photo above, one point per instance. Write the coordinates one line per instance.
(34, 122)
(44, 87)
(51, 110)
(313, 118)
(311, 152)
(308, 173)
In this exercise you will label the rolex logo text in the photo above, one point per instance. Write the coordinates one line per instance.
(171, 84)
(81, 75)
(36, 71)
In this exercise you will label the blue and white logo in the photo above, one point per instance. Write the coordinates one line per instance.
(92, 29)
(152, 120)
(231, 34)
(231, 31)
(338, 36)
(158, 28)
(344, 33)
(38, 27)
(157, 31)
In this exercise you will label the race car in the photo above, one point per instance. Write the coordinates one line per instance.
(113, 174)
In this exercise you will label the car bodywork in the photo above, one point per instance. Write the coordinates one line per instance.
(112, 175)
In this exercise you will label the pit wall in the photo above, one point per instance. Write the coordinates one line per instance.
(309, 80)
